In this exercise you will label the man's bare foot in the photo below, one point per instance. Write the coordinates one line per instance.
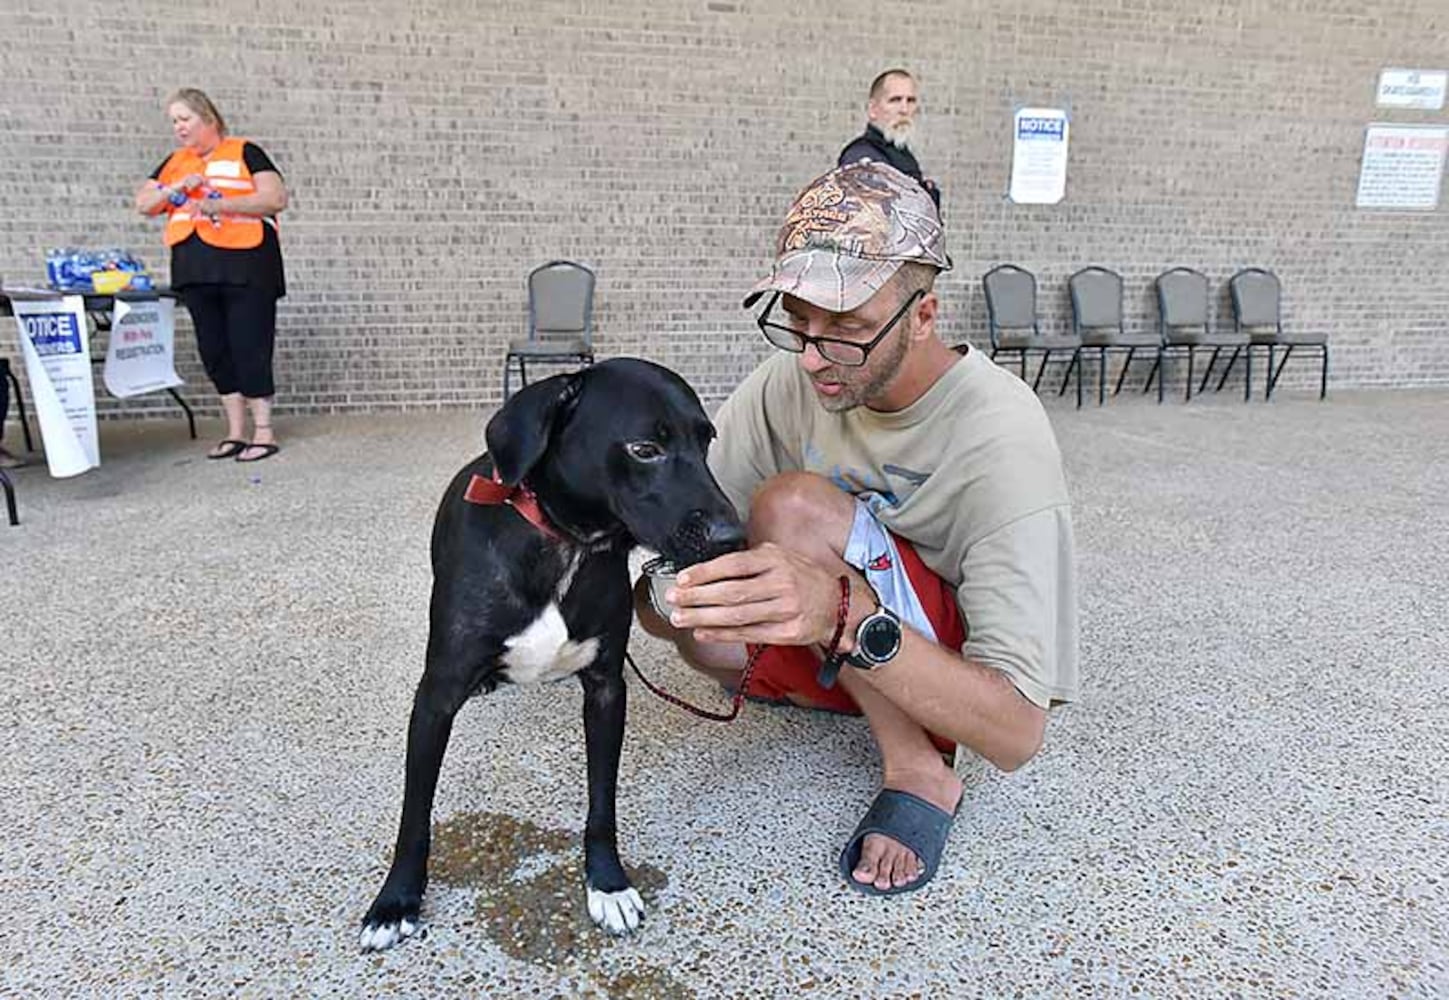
(885, 863)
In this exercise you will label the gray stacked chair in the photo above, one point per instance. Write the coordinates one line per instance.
(1258, 308)
(1097, 323)
(560, 320)
(1184, 326)
(1012, 323)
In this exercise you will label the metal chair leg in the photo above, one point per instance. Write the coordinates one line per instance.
(1191, 351)
(1122, 375)
(1101, 376)
(1208, 372)
(1248, 374)
(1067, 376)
(1226, 371)
(1268, 389)
(1045, 357)
(1323, 378)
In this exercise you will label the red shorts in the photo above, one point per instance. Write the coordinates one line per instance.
(788, 673)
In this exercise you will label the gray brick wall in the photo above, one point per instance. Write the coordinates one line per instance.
(436, 151)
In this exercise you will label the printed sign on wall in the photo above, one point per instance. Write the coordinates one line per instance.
(1413, 88)
(1039, 156)
(1403, 166)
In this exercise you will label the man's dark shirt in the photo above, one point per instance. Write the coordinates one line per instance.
(872, 145)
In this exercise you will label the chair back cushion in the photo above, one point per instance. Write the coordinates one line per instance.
(1182, 295)
(560, 296)
(1255, 297)
(1011, 297)
(1096, 297)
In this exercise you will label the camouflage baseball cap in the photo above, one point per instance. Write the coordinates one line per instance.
(849, 232)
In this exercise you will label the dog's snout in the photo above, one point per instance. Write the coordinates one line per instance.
(725, 536)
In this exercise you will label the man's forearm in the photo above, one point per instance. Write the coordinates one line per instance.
(957, 698)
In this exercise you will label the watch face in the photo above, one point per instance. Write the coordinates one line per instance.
(880, 639)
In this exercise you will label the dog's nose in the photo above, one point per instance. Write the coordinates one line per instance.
(725, 536)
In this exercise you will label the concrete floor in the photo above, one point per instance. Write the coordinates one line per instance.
(208, 669)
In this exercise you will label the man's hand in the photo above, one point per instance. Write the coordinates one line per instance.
(766, 595)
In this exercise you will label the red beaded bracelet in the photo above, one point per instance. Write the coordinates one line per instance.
(830, 666)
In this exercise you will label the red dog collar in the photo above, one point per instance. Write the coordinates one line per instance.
(492, 492)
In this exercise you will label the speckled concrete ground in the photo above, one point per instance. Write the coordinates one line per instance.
(207, 669)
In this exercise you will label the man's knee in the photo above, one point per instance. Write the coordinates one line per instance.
(800, 511)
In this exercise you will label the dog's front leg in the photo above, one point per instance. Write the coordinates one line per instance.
(614, 904)
(394, 913)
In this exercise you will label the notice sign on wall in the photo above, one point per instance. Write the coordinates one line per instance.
(55, 344)
(1403, 167)
(1413, 88)
(1039, 156)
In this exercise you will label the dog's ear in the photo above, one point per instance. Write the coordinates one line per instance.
(518, 433)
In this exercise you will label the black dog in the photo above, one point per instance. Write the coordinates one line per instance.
(615, 456)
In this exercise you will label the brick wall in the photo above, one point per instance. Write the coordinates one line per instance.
(438, 150)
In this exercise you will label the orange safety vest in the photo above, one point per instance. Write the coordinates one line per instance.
(226, 173)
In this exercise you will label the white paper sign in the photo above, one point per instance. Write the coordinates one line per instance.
(1413, 88)
(139, 357)
(1403, 166)
(1039, 156)
(55, 344)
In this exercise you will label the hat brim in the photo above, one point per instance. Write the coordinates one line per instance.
(834, 282)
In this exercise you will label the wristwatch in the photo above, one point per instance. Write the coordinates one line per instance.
(877, 639)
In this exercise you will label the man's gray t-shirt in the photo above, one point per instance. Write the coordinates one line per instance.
(969, 474)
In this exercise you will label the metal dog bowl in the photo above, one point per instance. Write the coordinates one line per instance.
(661, 574)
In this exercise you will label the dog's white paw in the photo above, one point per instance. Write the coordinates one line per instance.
(616, 912)
(379, 937)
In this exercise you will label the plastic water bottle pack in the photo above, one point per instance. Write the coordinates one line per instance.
(69, 269)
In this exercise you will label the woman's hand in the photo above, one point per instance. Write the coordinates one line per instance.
(191, 182)
(761, 595)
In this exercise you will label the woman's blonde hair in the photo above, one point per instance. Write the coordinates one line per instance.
(198, 102)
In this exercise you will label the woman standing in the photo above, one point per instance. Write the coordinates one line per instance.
(222, 196)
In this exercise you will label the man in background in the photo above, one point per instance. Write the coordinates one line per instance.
(890, 128)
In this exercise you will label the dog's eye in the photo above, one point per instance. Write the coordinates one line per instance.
(644, 451)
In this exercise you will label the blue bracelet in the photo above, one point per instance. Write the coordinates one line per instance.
(177, 198)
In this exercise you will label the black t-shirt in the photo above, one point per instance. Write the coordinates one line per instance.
(195, 262)
(873, 145)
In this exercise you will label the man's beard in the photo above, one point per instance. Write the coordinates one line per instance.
(900, 135)
(860, 385)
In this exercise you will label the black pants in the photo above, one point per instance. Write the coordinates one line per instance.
(236, 328)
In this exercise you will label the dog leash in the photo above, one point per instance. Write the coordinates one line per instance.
(704, 713)
(829, 668)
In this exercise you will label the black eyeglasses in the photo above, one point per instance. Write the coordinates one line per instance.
(846, 353)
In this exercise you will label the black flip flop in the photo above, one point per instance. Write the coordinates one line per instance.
(232, 449)
(268, 450)
(909, 820)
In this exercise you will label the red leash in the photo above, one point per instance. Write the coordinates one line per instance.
(829, 668)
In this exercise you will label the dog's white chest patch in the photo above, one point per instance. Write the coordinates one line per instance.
(544, 651)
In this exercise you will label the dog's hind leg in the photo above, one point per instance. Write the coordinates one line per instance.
(394, 914)
(614, 904)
